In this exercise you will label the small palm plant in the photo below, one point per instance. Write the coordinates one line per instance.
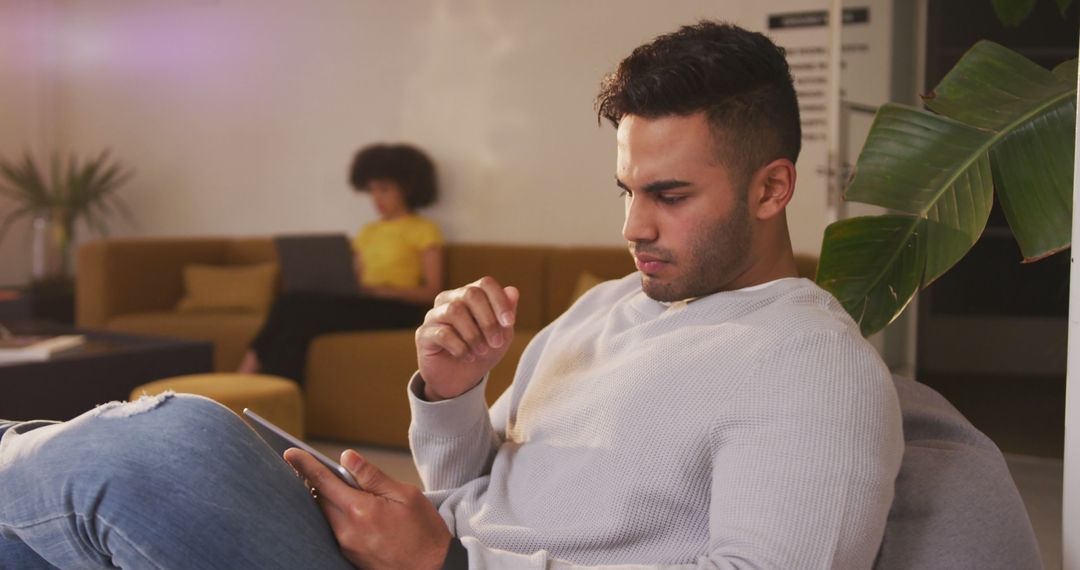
(73, 191)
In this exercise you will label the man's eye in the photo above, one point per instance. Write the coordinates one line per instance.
(625, 193)
(669, 200)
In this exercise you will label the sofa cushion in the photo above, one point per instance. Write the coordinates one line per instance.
(136, 275)
(566, 265)
(355, 387)
(248, 250)
(230, 332)
(587, 280)
(228, 288)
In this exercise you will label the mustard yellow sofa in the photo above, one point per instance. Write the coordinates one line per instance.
(355, 382)
(134, 285)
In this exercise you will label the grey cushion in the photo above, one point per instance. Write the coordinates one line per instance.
(956, 504)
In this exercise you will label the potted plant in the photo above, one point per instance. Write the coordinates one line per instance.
(57, 201)
(997, 122)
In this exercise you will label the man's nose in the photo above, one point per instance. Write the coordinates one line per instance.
(639, 224)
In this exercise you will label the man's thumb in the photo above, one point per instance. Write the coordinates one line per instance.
(370, 478)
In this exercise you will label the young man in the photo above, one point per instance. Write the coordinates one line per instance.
(711, 410)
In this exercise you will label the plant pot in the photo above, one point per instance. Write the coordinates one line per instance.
(51, 235)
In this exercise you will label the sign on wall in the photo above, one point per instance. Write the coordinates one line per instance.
(866, 66)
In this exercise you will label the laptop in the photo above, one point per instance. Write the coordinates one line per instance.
(317, 263)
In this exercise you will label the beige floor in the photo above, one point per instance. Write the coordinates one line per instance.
(1039, 480)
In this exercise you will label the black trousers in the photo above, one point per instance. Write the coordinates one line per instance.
(295, 319)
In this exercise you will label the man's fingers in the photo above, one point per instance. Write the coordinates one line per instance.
(512, 295)
(328, 484)
(471, 316)
(370, 478)
(470, 321)
(492, 309)
(473, 312)
(436, 338)
(477, 305)
(503, 306)
(443, 298)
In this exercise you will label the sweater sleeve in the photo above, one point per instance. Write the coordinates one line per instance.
(805, 456)
(453, 441)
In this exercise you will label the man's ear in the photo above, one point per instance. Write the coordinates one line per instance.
(772, 188)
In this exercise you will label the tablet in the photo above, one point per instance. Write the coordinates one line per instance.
(280, 440)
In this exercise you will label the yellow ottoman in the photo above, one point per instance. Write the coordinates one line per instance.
(276, 399)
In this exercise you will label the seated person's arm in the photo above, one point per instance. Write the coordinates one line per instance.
(453, 442)
(453, 435)
(431, 263)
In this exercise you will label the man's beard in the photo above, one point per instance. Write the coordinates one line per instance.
(715, 258)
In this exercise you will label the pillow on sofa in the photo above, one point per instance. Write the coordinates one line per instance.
(228, 288)
(585, 281)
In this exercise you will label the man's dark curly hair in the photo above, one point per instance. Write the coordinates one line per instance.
(406, 165)
(740, 79)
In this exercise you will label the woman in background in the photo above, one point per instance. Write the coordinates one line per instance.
(398, 263)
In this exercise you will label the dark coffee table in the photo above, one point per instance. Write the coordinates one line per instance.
(107, 368)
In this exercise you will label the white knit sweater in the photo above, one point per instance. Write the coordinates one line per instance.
(747, 429)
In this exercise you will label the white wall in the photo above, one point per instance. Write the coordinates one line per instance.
(26, 47)
(241, 117)
(1070, 523)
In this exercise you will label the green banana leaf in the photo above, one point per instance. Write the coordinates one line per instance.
(1000, 122)
(1030, 112)
(870, 289)
(1012, 12)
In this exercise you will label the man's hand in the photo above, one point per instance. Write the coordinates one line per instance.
(387, 524)
(464, 336)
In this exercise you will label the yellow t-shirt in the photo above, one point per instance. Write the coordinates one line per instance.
(391, 251)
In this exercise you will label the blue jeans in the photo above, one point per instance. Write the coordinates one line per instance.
(165, 482)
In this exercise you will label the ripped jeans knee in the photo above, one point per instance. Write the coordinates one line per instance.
(182, 408)
(136, 438)
(145, 403)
